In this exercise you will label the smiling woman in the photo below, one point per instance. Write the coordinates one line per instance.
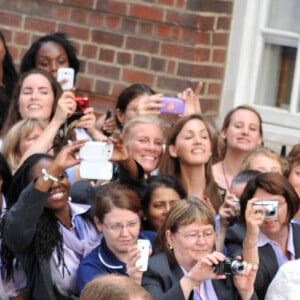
(47, 233)
(35, 96)
(241, 132)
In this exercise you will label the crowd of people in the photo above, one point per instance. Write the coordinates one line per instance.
(220, 211)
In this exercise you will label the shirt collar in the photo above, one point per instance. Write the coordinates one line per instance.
(263, 240)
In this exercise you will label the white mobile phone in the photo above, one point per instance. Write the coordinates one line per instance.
(96, 151)
(144, 246)
(95, 162)
(66, 74)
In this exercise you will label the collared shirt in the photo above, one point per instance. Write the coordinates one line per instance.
(207, 291)
(280, 257)
(102, 261)
(77, 243)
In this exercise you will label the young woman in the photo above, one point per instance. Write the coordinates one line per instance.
(51, 52)
(264, 160)
(117, 216)
(161, 193)
(242, 132)
(188, 157)
(47, 233)
(183, 267)
(19, 139)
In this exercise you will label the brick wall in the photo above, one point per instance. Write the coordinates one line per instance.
(167, 44)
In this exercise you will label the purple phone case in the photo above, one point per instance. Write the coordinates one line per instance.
(172, 106)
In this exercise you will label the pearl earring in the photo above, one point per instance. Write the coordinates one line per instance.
(170, 247)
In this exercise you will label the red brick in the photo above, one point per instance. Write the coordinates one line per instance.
(214, 88)
(41, 25)
(113, 22)
(158, 64)
(129, 25)
(141, 61)
(84, 83)
(102, 87)
(89, 51)
(22, 38)
(163, 31)
(101, 70)
(117, 89)
(107, 55)
(171, 65)
(123, 58)
(112, 7)
(145, 28)
(173, 84)
(146, 12)
(79, 15)
(137, 76)
(144, 45)
(224, 23)
(219, 55)
(80, 3)
(220, 39)
(74, 31)
(62, 13)
(107, 38)
(9, 19)
(96, 19)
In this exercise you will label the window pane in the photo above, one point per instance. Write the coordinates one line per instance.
(284, 15)
(276, 76)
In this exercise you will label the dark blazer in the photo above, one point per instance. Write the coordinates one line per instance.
(267, 259)
(162, 281)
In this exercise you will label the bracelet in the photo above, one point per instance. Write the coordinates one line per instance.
(249, 247)
(47, 176)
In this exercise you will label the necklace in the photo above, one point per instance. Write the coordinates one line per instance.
(225, 177)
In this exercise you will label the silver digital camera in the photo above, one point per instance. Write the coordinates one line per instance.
(271, 208)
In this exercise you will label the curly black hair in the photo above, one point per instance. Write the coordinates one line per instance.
(60, 38)
(48, 236)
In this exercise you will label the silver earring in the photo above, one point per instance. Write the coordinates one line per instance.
(170, 247)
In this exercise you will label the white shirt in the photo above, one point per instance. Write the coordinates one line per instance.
(286, 283)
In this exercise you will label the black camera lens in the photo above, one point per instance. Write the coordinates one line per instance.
(229, 266)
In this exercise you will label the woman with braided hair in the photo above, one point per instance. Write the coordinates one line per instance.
(47, 233)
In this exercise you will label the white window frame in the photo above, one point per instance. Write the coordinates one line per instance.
(243, 60)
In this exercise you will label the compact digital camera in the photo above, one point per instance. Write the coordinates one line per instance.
(271, 208)
(82, 103)
(229, 266)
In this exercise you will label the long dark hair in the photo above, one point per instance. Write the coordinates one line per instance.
(60, 38)
(170, 165)
(10, 75)
(9, 79)
(13, 115)
(48, 236)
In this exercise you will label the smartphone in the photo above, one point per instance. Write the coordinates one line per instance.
(144, 246)
(107, 116)
(82, 103)
(94, 151)
(172, 105)
(66, 75)
(95, 162)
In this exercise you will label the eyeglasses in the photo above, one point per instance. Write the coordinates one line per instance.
(120, 226)
(193, 236)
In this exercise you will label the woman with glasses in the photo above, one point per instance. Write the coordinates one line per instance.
(264, 234)
(117, 215)
(183, 268)
(43, 229)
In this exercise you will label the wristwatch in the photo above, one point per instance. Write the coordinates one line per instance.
(47, 176)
